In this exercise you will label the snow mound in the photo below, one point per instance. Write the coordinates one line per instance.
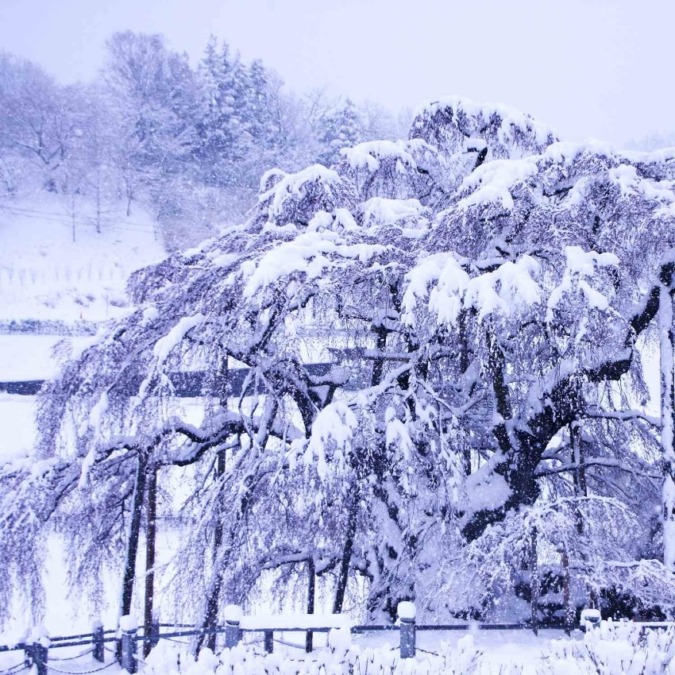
(370, 155)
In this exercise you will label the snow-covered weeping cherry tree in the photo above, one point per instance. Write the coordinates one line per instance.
(420, 369)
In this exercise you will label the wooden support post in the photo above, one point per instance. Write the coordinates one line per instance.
(129, 628)
(232, 621)
(99, 651)
(151, 636)
(269, 642)
(212, 605)
(406, 615)
(150, 537)
(311, 595)
(570, 610)
(154, 633)
(534, 582)
(40, 651)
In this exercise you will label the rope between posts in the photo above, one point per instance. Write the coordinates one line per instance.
(180, 642)
(257, 641)
(289, 644)
(81, 672)
(20, 666)
(72, 658)
(426, 651)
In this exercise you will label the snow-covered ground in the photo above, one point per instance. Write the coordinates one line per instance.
(50, 269)
(45, 275)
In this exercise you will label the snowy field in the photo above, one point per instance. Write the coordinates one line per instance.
(56, 266)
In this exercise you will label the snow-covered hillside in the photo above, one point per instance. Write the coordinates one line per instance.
(53, 276)
(65, 264)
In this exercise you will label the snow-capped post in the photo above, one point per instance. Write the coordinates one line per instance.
(233, 615)
(406, 615)
(129, 628)
(269, 642)
(97, 639)
(40, 651)
(590, 618)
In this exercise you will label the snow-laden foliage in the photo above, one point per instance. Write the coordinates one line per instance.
(461, 659)
(617, 648)
(406, 363)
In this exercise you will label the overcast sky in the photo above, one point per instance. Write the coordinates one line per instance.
(589, 68)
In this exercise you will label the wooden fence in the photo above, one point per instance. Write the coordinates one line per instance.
(125, 639)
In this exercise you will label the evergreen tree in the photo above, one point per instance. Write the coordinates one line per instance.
(340, 128)
(152, 96)
(222, 125)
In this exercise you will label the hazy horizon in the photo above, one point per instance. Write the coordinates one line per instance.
(587, 68)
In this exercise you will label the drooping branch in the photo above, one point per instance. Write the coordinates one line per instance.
(561, 404)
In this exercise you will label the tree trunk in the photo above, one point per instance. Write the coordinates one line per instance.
(380, 346)
(311, 595)
(211, 618)
(129, 574)
(666, 343)
(534, 581)
(579, 475)
(150, 538)
(134, 533)
(568, 607)
(464, 363)
(343, 575)
(532, 430)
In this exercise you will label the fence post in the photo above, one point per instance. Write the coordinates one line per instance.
(269, 642)
(40, 651)
(129, 627)
(406, 614)
(232, 621)
(99, 654)
(590, 618)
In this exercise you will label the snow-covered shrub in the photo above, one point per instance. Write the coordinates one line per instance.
(463, 659)
(617, 648)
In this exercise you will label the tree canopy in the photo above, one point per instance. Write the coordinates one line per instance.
(439, 344)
